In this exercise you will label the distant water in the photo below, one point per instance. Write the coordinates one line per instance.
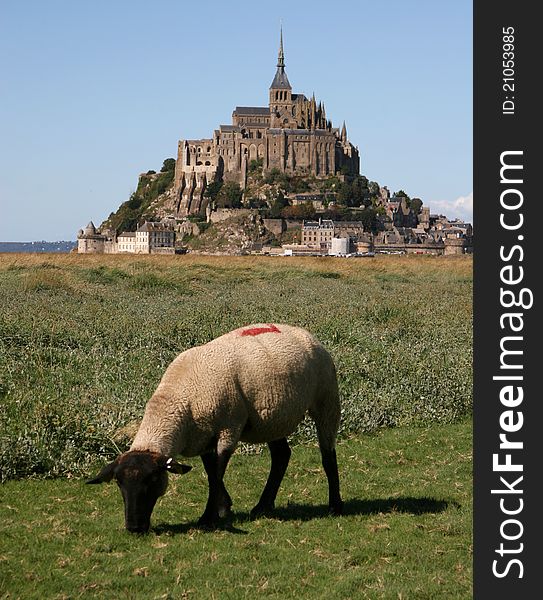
(37, 246)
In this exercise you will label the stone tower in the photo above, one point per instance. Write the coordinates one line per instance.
(281, 105)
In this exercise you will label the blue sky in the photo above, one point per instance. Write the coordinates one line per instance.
(94, 93)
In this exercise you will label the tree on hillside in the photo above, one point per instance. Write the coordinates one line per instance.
(278, 205)
(303, 211)
(416, 205)
(369, 218)
(374, 188)
(354, 192)
(229, 195)
(168, 165)
(359, 191)
(255, 166)
(275, 176)
(343, 191)
(212, 190)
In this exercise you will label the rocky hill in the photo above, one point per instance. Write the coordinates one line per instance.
(274, 195)
(242, 232)
(153, 190)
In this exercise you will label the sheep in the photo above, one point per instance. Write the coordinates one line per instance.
(254, 384)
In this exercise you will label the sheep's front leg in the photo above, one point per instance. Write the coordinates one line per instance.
(218, 502)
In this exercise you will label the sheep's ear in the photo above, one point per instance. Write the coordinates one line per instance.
(105, 475)
(174, 467)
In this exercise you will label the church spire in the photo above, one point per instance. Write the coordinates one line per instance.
(281, 56)
(280, 81)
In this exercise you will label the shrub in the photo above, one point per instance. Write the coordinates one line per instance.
(255, 166)
(168, 165)
(229, 196)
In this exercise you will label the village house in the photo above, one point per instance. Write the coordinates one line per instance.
(319, 235)
(126, 242)
(154, 238)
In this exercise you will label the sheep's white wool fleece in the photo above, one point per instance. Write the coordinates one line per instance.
(253, 384)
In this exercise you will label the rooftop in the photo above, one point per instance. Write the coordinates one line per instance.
(252, 110)
(148, 226)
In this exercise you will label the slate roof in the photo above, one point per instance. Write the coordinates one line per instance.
(280, 81)
(149, 226)
(252, 110)
(229, 128)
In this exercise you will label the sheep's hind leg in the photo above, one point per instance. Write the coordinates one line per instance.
(326, 414)
(219, 501)
(329, 462)
(280, 455)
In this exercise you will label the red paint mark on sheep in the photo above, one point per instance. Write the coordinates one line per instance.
(258, 330)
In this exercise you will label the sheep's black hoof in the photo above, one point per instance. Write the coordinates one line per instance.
(336, 509)
(208, 522)
(224, 511)
(261, 510)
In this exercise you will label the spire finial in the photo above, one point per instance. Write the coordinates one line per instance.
(281, 57)
(344, 132)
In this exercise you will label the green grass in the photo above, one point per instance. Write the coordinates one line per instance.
(85, 339)
(406, 533)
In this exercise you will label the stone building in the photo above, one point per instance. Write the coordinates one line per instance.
(319, 235)
(150, 238)
(314, 199)
(403, 215)
(126, 242)
(93, 241)
(292, 134)
(154, 238)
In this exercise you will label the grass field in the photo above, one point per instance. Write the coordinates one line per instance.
(406, 532)
(84, 341)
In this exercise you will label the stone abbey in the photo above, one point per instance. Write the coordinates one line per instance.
(291, 134)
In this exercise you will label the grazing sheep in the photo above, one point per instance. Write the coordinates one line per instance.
(254, 384)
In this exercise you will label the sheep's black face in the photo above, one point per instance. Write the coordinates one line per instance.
(142, 478)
